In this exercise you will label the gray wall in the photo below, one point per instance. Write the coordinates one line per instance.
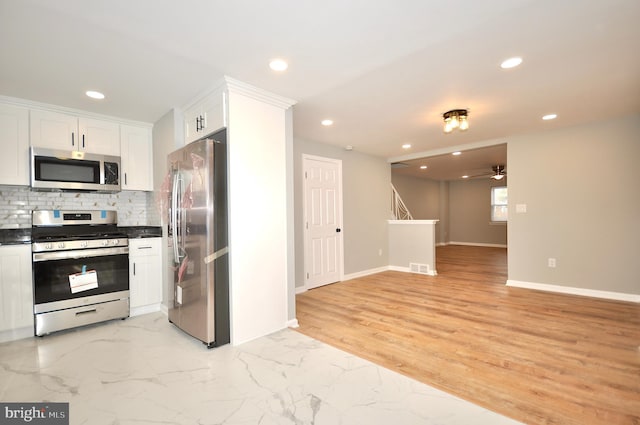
(462, 206)
(366, 207)
(470, 212)
(422, 198)
(582, 190)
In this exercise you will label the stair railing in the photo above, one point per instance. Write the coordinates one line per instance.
(399, 210)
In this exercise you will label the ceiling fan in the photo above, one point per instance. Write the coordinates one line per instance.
(498, 173)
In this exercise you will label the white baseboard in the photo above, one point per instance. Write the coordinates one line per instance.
(489, 245)
(365, 273)
(15, 334)
(293, 323)
(408, 270)
(145, 309)
(618, 296)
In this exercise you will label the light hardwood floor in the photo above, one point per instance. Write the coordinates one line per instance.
(537, 357)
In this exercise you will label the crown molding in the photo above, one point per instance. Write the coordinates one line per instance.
(31, 104)
(236, 86)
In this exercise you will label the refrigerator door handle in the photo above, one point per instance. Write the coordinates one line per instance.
(174, 217)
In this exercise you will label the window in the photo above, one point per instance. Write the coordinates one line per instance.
(499, 203)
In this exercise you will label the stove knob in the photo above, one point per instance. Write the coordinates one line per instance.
(105, 242)
(60, 245)
(48, 246)
(83, 244)
(115, 242)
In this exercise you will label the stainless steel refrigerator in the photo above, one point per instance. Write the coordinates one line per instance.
(198, 242)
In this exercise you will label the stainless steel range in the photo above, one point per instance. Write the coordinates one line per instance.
(80, 269)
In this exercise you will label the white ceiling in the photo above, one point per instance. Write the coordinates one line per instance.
(384, 71)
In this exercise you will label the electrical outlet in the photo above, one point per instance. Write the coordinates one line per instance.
(551, 262)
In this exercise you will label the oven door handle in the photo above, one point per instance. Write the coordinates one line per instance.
(80, 253)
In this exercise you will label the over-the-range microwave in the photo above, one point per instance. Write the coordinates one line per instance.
(74, 171)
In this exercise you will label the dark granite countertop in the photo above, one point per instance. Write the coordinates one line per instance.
(15, 236)
(142, 231)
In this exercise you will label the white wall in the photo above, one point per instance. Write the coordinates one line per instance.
(366, 207)
(167, 137)
(258, 239)
(581, 186)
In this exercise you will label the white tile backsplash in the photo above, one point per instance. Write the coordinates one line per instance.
(134, 208)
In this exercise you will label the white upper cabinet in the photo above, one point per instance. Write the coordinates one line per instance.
(205, 116)
(55, 130)
(14, 139)
(98, 136)
(137, 158)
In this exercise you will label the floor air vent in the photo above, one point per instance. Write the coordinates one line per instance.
(419, 268)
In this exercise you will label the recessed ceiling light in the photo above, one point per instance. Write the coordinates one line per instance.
(278, 65)
(511, 63)
(94, 94)
(406, 146)
(465, 177)
(326, 123)
(550, 117)
(456, 153)
(423, 167)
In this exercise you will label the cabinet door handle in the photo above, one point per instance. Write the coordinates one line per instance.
(125, 179)
(83, 141)
(134, 269)
(73, 142)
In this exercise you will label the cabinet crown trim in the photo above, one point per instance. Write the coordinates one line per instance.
(258, 93)
(228, 84)
(30, 104)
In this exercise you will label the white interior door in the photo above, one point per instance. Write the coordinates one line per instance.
(323, 220)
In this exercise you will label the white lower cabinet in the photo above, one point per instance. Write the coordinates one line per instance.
(145, 275)
(16, 292)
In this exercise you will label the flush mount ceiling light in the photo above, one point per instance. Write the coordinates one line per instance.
(278, 65)
(550, 117)
(456, 118)
(326, 123)
(94, 94)
(511, 63)
(423, 167)
(406, 146)
(456, 153)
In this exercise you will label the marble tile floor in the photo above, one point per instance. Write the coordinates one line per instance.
(144, 370)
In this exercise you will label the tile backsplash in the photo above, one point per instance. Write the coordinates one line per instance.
(134, 208)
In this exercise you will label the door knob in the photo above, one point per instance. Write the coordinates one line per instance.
(338, 230)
